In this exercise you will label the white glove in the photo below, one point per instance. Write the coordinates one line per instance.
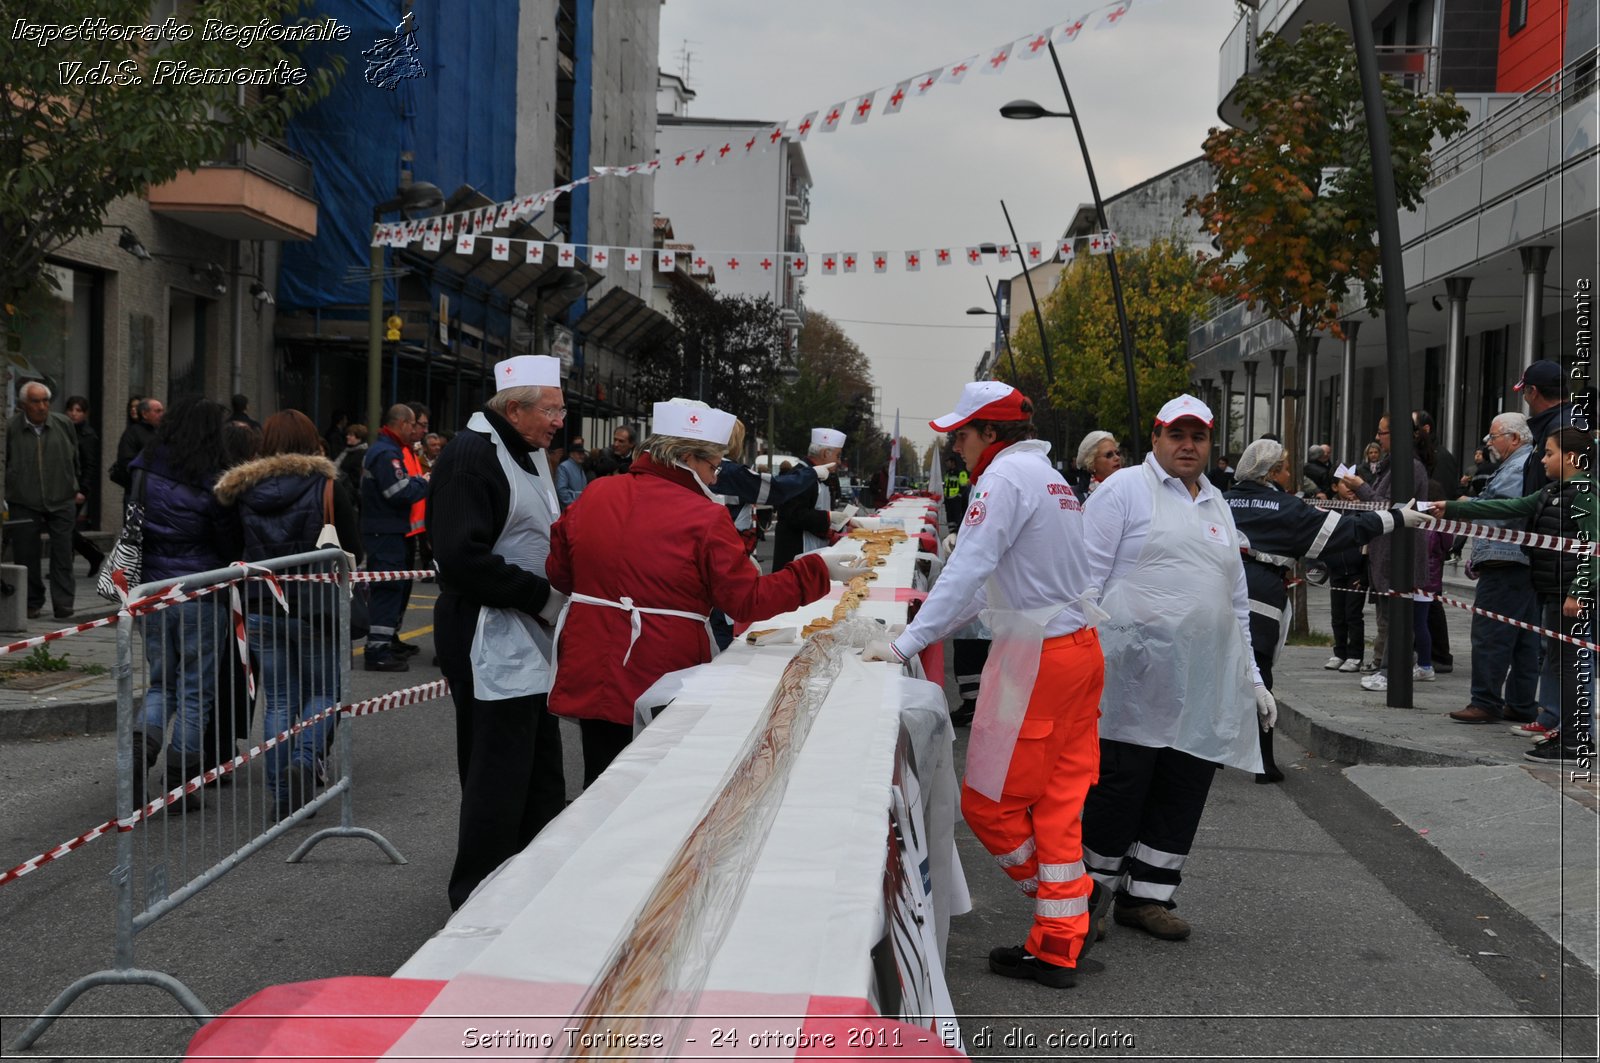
(552, 607)
(824, 470)
(881, 650)
(1266, 708)
(1411, 516)
(949, 542)
(838, 571)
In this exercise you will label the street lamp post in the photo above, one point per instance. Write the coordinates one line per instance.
(1027, 109)
(416, 197)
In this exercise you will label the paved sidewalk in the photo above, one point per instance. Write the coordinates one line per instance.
(51, 704)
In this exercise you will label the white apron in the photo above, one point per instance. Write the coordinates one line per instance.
(809, 542)
(510, 651)
(1017, 640)
(1177, 669)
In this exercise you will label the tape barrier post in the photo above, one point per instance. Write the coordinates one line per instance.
(345, 735)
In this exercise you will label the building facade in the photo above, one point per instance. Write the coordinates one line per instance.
(1495, 258)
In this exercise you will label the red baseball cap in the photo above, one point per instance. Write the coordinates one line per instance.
(984, 400)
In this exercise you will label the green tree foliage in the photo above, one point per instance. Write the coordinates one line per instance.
(68, 150)
(728, 354)
(834, 391)
(1293, 209)
(1162, 294)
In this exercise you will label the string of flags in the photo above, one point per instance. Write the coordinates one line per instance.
(858, 109)
(791, 263)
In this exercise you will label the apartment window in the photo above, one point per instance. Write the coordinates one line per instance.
(1516, 16)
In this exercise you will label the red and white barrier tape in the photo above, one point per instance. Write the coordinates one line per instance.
(409, 696)
(1468, 607)
(1473, 531)
(175, 595)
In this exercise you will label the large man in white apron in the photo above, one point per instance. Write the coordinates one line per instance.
(804, 522)
(1182, 694)
(489, 514)
(1033, 753)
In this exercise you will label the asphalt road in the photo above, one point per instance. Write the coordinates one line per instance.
(1324, 928)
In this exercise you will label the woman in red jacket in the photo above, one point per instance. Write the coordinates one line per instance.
(645, 558)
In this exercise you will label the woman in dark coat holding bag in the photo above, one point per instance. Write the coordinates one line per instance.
(284, 498)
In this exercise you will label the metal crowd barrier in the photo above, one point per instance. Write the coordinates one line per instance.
(265, 646)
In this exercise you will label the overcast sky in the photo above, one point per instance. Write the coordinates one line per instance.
(934, 174)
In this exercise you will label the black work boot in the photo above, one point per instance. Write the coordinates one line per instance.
(179, 771)
(1013, 961)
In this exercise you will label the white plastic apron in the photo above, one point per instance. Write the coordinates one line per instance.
(511, 653)
(1177, 670)
(809, 542)
(1016, 641)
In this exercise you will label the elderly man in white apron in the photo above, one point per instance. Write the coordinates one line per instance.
(489, 514)
(1182, 694)
(804, 522)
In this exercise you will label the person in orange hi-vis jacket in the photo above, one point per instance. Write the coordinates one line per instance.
(1034, 750)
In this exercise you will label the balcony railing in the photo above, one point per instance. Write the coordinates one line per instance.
(275, 162)
(1540, 104)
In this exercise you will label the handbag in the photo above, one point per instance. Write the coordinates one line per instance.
(127, 554)
(360, 622)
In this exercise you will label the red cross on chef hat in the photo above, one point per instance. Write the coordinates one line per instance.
(527, 371)
(691, 419)
(831, 438)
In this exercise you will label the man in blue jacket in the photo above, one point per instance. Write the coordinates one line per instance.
(388, 492)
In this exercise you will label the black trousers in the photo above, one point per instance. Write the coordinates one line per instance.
(1349, 617)
(602, 742)
(1439, 632)
(508, 755)
(970, 657)
(1140, 819)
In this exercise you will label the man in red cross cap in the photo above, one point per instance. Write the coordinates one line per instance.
(1182, 690)
(1033, 750)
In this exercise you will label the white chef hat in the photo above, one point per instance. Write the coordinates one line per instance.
(827, 437)
(527, 371)
(692, 419)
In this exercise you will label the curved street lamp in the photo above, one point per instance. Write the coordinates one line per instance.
(1026, 110)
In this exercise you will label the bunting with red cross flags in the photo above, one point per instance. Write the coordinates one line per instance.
(913, 261)
(633, 261)
(830, 265)
(996, 63)
(797, 265)
(566, 254)
(732, 263)
(766, 264)
(1115, 15)
(974, 256)
(957, 73)
(992, 61)
(535, 253)
(897, 97)
(599, 256)
(500, 250)
(1064, 249)
(464, 243)
(432, 240)
(1035, 252)
(1033, 47)
(863, 109)
(1003, 252)
(666, 261)
(849, 261)
(699, 265)
(880, 262)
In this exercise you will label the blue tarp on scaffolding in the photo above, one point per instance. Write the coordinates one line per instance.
(459, 121)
